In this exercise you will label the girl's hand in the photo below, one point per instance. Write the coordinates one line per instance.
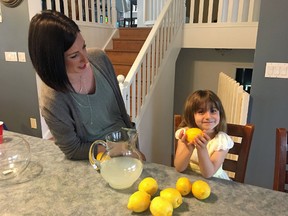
(183, 138)
(180, 134)
(200, 142)
(183, 152)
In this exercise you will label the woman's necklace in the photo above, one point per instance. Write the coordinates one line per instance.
(86, 82)
(84, 91)
(81, 87)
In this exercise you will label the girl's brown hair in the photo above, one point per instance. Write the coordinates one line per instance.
(197, 100)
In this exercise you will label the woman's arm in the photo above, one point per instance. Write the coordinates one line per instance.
(66, 137)
(64, 124)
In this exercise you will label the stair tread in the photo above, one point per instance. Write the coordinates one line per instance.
(135, 28)
(122, 63)
(126, 48)
(122, 50)
(129, 39)
(134, 32)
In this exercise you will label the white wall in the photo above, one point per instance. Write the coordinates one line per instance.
(199, 69)
(148, 11)
(199, 36)
(96, 36)
(156, 124)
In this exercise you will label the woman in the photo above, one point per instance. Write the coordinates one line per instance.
(80, 97)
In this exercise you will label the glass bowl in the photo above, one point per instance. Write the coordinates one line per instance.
(14, 156)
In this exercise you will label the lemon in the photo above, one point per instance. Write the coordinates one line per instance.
(149, 185)
(99, 155)
(192, 133)
(161, 207)
(183, 185)
(139, 201)
(100, 158)
(173, 196)
(201, 189)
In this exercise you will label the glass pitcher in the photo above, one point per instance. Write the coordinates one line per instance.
(121, 164)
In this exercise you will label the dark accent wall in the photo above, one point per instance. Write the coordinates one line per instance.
(18, 91)
(269, 95)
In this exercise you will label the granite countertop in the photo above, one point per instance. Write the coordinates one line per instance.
(53, 185)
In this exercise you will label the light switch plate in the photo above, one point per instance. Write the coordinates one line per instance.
(276, 70)
(21, 57)
(11, 56)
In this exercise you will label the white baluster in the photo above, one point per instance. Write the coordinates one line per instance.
(123, 89)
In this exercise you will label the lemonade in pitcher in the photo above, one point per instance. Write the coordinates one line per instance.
(121, 172)
(121, 163)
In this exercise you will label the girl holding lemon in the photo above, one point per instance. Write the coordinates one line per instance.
(205, 149)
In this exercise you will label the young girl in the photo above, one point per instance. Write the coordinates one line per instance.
(206, 153)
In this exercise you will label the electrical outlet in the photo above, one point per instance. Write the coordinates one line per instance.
(33, 123)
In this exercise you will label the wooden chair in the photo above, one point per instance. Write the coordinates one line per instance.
(281, 161)
(237, 158)
(242, 136)
(177, 121)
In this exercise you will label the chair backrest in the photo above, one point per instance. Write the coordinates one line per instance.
(177, 121)
(237, 158)
(281, 160)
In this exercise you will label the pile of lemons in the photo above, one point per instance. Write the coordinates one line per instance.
(168, 199)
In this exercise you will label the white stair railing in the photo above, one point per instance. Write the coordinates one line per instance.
(152, 10)
(86, 12)
(223, 11)
(145, 70)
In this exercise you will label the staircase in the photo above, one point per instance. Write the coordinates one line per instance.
(126, 48)
(151, 103)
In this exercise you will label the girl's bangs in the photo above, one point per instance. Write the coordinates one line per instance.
(205, 103)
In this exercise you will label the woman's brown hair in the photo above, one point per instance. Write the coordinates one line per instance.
(51, 33)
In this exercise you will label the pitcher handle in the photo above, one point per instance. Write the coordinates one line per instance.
(92, 159)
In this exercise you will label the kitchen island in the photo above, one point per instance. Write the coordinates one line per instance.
(54, 185)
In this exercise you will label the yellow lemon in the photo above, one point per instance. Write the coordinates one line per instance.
(183, 185)
(100, 158)
(149, 185)
(99, 155)
(139, 201)
(161, 207)
(192, 133)
(201, 189)
(173, 196)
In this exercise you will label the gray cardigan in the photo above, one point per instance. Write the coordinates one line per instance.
(63, 118)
